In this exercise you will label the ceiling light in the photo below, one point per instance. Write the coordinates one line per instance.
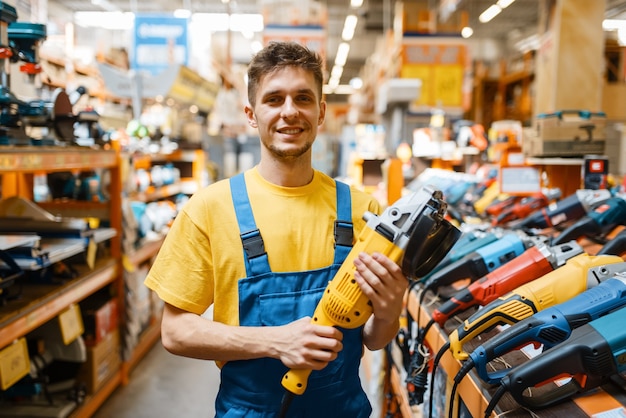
(504, 3)
(342, 54)
(348, 27)
(356, 83)
(356, 3)
(336, 72)
(491, 12)
(466, 32)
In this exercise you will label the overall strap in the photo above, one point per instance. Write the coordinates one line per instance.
(254, 254)
(344, 234)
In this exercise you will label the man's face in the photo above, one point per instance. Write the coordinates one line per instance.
(287, 112)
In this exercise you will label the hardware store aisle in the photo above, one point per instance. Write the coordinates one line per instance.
(163, 385)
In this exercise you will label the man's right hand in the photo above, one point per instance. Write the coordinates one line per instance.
(303, 345)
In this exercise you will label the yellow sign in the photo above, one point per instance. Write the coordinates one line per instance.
(71, 324)
(14, 363)
(441, 64)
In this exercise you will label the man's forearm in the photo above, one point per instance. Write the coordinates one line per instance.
(377, 333)
(187, 334)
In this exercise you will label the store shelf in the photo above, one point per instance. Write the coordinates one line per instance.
(49, 159)
(41, 302)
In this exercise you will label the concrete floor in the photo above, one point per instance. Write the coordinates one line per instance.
(164, 385)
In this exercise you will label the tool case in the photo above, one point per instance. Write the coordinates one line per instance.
(565, 133)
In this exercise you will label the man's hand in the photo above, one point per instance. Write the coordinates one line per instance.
(303, 345)
(383, 282)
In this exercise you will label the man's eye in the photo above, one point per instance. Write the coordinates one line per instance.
(305, 99)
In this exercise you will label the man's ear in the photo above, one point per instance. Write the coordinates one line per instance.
(322, 115)
(251, 117)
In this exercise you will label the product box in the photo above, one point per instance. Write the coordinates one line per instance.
(566, 134)
(100, 318)
(103, 361)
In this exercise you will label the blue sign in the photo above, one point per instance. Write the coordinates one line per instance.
(160, 41)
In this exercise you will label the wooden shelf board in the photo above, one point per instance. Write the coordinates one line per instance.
(39, 303)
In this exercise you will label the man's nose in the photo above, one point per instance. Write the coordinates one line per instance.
(290, 109)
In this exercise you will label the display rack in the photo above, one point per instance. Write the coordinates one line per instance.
(39, 303)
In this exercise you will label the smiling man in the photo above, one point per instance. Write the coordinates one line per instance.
(261, 247)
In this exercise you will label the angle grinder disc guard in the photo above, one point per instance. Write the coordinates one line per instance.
(429, 243)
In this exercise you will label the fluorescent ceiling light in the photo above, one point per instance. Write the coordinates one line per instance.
(348, 27)
(342, 54)
(504, 3)
(356, 3)
(491, 12)
(336, 72)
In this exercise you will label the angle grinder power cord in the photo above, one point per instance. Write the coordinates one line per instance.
(412, 232)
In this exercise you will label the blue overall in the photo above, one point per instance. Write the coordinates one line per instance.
(252, 388)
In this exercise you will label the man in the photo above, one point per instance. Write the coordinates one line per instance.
(261, 247)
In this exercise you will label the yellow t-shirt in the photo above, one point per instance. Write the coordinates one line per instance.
(201, 259)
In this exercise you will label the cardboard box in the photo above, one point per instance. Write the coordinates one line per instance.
(565, 134)
(100, 318)
(103, 361)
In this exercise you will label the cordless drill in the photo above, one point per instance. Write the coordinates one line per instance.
(592, 356)
(577, 275)
(412, 232)
(548, 327)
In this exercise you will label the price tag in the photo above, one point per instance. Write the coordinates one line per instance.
(71, 324)
(14, 363)
(91, 253)
(520, 180)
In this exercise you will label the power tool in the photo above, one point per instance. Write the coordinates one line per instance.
(501, 204)
(469, 242)
(577, 275)
(548, 327)
(484, 260)
(616, 246)
(527, 205)
(601, 220)
(530, 265)
(494, 257)
(570, 208)
(592, 356)
(413, 233)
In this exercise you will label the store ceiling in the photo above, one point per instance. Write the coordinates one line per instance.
(375, 17)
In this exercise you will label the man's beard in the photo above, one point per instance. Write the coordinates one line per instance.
(290, 153)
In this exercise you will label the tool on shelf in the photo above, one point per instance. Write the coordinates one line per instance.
(592, 356)
(577, 275)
